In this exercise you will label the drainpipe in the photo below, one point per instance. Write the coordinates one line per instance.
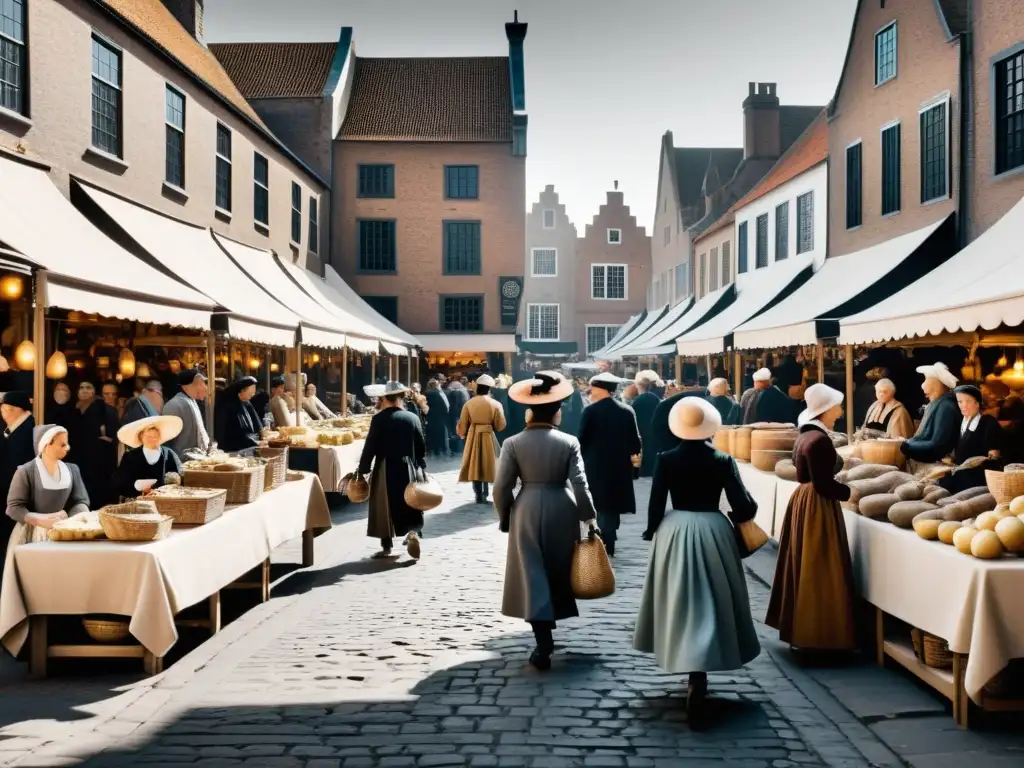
(963, 214)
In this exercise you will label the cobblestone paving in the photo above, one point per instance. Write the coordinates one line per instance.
(393, 664)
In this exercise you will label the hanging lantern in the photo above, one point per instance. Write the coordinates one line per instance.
(174, 365)
(1018, 367)
(274, 367)
(144, 371)
(79, 365)
(25, 355)
(102, 362)
(57, 366)
(316, 358)
(254, 364)
(126, 363)
(1002, 362)
(11, 287)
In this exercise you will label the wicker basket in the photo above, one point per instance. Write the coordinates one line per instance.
(207, 505)
(120, 522)
(277, 467)
(244, 486)
(591, 576)
(931, 650)
(884, 451)
(106, 630)
(1004, 486)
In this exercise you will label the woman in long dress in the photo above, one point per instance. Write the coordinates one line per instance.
(695, 611)
(543, 520)
(481, 418)
(238, 424)
(812, 593)
(393, 447)
(148, 461)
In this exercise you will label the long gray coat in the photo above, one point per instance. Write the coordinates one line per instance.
(543, 521)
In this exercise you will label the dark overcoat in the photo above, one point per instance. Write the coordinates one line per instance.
(609, 438)
(644, 406)
(394, 441)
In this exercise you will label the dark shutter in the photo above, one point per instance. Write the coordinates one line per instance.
(854, 186)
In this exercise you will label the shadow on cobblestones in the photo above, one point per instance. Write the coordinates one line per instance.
(304, 581)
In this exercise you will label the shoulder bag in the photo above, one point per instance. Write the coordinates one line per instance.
(423, 492)
(592, 576)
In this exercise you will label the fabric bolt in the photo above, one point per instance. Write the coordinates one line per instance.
(480, 419)
(152, 581)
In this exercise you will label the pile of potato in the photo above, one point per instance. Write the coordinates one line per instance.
(988, 536)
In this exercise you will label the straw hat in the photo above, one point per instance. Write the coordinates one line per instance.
(484, 380)
(131, 434)
(383, 390)
(544, 387)
(694, 418)
(819, 398)
(941, 373)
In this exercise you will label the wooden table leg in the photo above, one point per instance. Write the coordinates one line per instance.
(265, 580)
(37, 645)
(214, 605)
(880, 637)
(961, 701)
(153, 665)
(308, 554)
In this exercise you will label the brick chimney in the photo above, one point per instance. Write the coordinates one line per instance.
(189, 14)
(761, 132)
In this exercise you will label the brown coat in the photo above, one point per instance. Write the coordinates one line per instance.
(899, 423)
(481, 418)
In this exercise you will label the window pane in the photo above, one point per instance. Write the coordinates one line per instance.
(726, 263)
(741, 252)
(386, 306)
(1009, 98)
(223, 184)
(545, 262)
(597, 282)
(296, 213)
(261, 189)
(462, 247)
(933, 153)
(12, 75)
(854, 185)
(680, 280)
(314, 226)
(12, 19)
(174, 116)
(106, 97)
(542, 322)
(174, 112)
(782, 232)
(762, 241)
(376, 181)
(377, 246)
(461, 181)
(261, 170)
(805, 223)
(713, 270)
(616, 282)
(549, 219)
(224, 141)
(462, 314)
(885, 55)
(891, 170)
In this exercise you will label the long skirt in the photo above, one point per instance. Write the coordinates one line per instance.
(480, 457)
(388, 515)
(812, 593)
(695, 610)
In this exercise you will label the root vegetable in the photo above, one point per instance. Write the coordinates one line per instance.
(934, 494)
(966, 495)
(785, 470)
(912, 491)
(962, 538)
(927, 529)
(946, 530)
(877, 505)
(868, 471)
(902, 513)
(964, 510)
(1017, 506)
(1010, 531)
(986, 545)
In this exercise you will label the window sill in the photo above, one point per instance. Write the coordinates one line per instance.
(377, 272)
(935, 201)
(885, 82)
(10, 116)
(890, 215)
(222, 213)
(460, 274)
(464, 200)
(855, 227)
(295, 246)
(1009, 173)
(602, 298)
(263, 229)
(174, 191)
(543, 277)
(98, 156)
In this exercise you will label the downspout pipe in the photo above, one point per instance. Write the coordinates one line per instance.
(964, 217)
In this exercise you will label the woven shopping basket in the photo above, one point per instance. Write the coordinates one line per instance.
(592, 576)
(277, 467)
(244, 486)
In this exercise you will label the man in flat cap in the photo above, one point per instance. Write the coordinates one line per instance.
(185, 405)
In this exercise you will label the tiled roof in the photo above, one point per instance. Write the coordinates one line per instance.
(155, 22)
(692, 164)
(277, 70)
(957, 14)
(793, 121)
(451, 99)
(809, 150)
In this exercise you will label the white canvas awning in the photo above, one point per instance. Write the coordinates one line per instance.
(643, 339)
(318, 327)
(252, 314)
(624, 330)
(335, 286)
(661, 339)
(842, 286)
(755, 291)
(86, 270)
(394, 349)
(982, 286)
(468, 342)
(611, 351)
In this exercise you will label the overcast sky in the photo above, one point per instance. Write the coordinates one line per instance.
(604, 78)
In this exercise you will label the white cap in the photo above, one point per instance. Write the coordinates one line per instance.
(484, 380)
(940, 372)
(763, 375)
(605, 378)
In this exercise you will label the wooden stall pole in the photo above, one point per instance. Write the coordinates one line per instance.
(679, 370)
(211, 373)
(230, 375)
(269, 359)
(821, 362)
(737, 373)
(39, 340)
(707, 367)
(373, 367)
(344, 381)
(508, 363)
(410, 367)
(849, 391)
(298, 383)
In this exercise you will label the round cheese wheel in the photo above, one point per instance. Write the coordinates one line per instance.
(772, 440)
(987, 521)
(986, 545)
(962, 538)
(1010, 531)
(947, 529)
(766, 460)
(927, 529)
(1017, 506)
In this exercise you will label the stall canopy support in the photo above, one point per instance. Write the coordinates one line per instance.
(679, 370)
(39, 339)
(737, 373)
(373, 367)
(821, 363)
(211, 373)
(344, 381)
(849, 391)
(298, 383)
(410, 367)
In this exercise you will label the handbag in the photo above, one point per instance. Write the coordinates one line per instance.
(591, 576)
(423, 492)
(355, 487)
(750, 537)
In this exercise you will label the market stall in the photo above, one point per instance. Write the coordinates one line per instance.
(150, 582)
(331, 449)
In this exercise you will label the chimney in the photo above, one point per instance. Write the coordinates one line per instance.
(761, 132)
(516, 34)
(189, 14)
(616, 184)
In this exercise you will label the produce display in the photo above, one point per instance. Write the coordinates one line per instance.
(85, 526)
(329, 432)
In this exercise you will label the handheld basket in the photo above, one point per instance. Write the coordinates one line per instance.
(244, 486)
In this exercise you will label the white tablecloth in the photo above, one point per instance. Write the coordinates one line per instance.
(152, 582)
(336, 461)
(974, 605)
(760, 485)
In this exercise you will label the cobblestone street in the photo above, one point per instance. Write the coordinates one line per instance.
(362, 663)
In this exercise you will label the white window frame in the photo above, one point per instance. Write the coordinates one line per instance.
(625, 281)
(896, 58)
(544, 218)
(609, 236)
(533, 263)
(558, 321)
(943, 99)
(607, 336)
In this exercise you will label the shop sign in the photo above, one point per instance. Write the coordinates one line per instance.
(510, 293)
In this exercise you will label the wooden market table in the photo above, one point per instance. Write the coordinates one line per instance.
(152, 582)
(330, 462)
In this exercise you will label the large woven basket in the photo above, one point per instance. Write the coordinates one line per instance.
(244, 486)
(1004, 486)
(277, 467)
(106, 630)
(592, 576)
(207, 505)
(933, 651)
(355, 487)
(120, 522)
(882, 451)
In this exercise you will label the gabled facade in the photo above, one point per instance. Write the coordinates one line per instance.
(894, 138)
(548, 312)
(613, 267)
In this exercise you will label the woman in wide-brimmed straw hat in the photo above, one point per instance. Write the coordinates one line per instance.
(394, 445)
(481, 418)
(147, 463)
(543, 521)
(812, 594)
(695, 610)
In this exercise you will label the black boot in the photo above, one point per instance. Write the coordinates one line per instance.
(478, 492)
(540, 659)
(483, 492)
